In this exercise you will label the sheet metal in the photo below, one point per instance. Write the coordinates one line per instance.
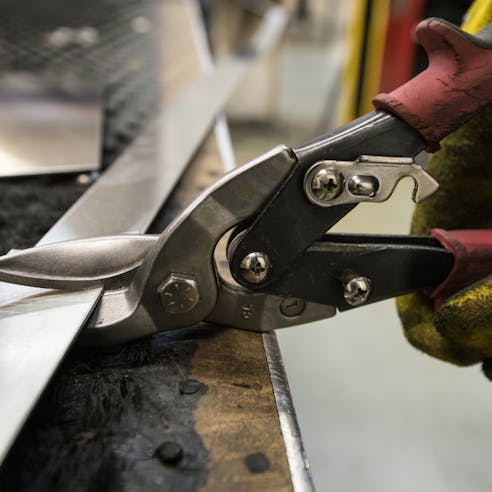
(48, 124)
(34, 337)
(296, 456)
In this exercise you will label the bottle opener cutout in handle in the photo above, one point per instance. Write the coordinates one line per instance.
(456, 84)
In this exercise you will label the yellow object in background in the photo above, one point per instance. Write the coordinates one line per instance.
(365, 50)
(479, 16)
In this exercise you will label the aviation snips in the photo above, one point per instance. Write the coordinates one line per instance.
(281, 267)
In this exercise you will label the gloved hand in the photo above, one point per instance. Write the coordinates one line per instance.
(461, 331)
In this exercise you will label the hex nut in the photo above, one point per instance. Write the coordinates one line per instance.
(178, 293)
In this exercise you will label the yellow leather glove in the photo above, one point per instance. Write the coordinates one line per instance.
(461, 331)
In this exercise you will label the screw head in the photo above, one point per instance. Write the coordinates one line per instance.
(363, 185)
(322, 183)
(292, 307)
(178, 293)
(357, 290)
(255, 267)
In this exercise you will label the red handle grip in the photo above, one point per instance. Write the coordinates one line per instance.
(472, 250)
(457, 83)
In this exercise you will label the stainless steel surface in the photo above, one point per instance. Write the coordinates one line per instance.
(254, 311)
(187, 246)
(178, 294)
(80, 264)
(322, 183)
(255, 267)
(299, 467)
(34, 337)
(357, 290)
(392, 169)
(363, 185)
(48, 124)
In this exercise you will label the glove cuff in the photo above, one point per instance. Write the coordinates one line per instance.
(472, 250)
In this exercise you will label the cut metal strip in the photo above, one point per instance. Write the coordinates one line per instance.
(296, 456)
(34, 338)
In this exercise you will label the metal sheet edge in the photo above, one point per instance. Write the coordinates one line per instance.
(296, 456)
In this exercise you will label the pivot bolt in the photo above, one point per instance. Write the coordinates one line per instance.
(357, 290)
(292, 307)
(178, 293)
(255, 267)
(323, 183)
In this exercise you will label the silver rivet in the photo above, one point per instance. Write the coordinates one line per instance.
(323, 183)
(255, 267)
(292, 307)
(357, 290)
(178, 293)
(363, 185)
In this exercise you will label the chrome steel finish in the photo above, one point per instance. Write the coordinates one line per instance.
(386, 171)
(242, 308)
(178, 293)
(296, 457)
(389, 170)
(255, 267)
(108, 262)
(48, 124)
(182, 247)
(357, 290)
(292, 307)
(322, 183)
(363, 185)
(34, 336)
